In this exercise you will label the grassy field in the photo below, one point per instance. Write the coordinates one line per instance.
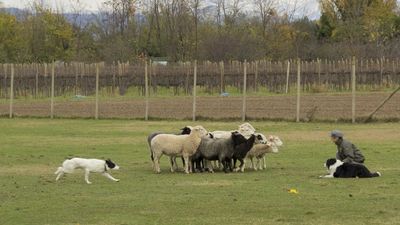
(32, 149)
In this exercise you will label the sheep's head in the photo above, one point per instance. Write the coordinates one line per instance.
(276, 140)
(199, 131)
(246, 130)
(260, 139)
(252, 139)
(238, 138)
(186, 130)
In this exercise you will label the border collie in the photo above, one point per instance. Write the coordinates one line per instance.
(339, 169)
(89, 165)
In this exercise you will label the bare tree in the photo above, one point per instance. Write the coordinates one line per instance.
(122, 12)
(231, 11)
(266, 10)
(194, 6)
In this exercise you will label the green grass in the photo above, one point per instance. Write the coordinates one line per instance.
(136, 92)
(32, 149)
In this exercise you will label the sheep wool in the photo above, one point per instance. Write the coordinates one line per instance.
(176, 145)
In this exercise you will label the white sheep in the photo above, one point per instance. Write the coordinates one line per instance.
(245, 129)
(260, 150)
(176, 145)
(185, 130)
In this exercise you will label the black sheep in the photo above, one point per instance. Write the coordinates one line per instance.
(241, 150)
(218, 149)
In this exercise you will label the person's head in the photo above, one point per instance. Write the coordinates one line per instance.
(336, 135)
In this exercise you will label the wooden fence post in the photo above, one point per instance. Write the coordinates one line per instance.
(12, 91)
(96, 115)
(287, 76)
(76, 69)
(298, 91)
(5, 80)
(37, 81)
(319, 71)
(256, 76)
(221, 65)
(113, 78)
(194, 90)
(52, 92)
(146, 87)
(353, 90)
(244, 90)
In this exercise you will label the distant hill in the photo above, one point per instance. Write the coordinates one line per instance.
(81, 20)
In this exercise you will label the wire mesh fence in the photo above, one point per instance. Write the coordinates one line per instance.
(325, 89)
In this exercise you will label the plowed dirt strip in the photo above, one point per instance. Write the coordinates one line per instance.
(273, 107)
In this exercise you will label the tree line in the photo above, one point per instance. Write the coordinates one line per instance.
(215, 30)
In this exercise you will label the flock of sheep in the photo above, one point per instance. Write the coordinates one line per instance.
(202, 150)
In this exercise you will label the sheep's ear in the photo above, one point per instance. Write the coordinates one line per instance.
(211, 135)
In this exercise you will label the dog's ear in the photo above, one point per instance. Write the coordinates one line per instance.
(110, 164)
(330, 162)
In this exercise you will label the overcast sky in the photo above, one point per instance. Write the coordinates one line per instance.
(305, 7)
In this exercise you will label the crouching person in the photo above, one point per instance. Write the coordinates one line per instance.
(346, 151)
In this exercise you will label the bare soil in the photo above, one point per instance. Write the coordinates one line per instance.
(313, 106)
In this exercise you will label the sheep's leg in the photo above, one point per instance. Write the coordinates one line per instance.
(209, 166)
(239, 168)
(264, 164)
(186, 158)
(220, 165)
(203, 165)
(172, 161)
(183, 162)
(230, 164)
(243, 165)
(194, 165)
(224, 164)
(260, 166)
(215, 164)
(157, 164)
(234, 163)
(176, 167)
(191, 168)
(253, 163)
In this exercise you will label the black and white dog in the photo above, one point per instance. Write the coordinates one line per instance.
(339, 169)
(89, 165)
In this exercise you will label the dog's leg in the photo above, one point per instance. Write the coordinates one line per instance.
(59, 169)
(60, 174)
(110, 177)
(87, 176)
(327, 176)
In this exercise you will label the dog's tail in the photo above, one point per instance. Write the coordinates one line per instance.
(376, 174)
(59, 169)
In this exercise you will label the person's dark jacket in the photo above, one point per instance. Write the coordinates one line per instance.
(348, 153)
